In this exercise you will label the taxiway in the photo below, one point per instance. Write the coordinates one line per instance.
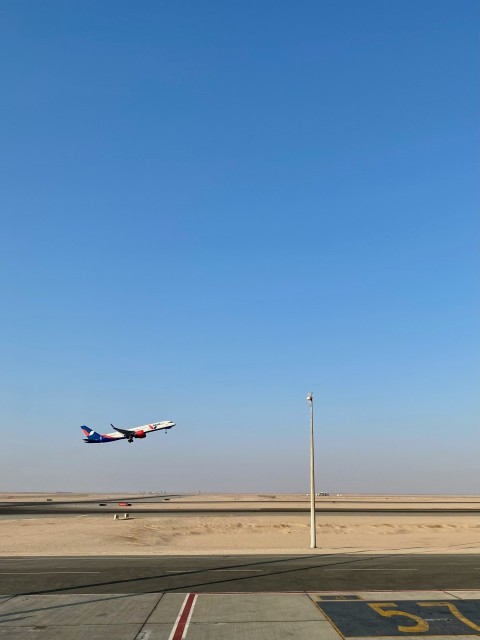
(237, 573)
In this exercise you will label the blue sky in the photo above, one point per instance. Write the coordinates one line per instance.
(209, 209)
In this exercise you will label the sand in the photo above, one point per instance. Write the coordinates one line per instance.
(195, 535)
(213, 533)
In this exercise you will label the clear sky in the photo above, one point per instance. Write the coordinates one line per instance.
(209, 209)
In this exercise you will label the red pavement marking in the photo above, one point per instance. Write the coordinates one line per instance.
(180, 627)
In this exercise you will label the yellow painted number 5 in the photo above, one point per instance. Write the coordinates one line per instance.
(420, 626)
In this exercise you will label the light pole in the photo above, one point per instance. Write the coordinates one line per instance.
(313, 526)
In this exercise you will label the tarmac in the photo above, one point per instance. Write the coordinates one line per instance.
(242, 616)
(268, 597)
(238, 573)
(166, 504)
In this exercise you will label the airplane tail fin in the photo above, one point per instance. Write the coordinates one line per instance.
(91, 435)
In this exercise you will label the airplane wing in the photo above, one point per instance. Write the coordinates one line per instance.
(141, 432)
(126, 432)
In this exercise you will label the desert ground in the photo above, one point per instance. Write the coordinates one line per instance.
(209, 533)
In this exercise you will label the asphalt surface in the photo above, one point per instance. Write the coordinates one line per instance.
(164, 505)
(158, 504)
(222, 574)
(65, 502)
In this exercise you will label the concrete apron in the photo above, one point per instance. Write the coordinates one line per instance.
(242, 616)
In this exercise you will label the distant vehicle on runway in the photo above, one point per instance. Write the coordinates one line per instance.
(92, 437)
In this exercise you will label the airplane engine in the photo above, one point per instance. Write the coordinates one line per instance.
(140, 434)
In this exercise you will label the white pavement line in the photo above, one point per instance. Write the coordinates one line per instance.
(187, 624)
(211, 570)
(180, 627)
(240, 570)
(370, 569)
(40, 573)
(170, 637)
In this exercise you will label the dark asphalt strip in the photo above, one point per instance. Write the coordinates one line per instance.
(240, 574)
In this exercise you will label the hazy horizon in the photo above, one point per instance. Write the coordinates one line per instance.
(234, 493)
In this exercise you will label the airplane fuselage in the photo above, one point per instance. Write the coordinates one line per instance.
(92, 437)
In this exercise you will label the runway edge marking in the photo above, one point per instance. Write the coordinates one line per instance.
(182, 622)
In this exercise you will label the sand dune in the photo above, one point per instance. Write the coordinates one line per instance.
(94, 535)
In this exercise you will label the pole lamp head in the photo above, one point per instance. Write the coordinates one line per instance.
(310, 398)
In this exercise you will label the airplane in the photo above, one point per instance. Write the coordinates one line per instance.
(125, 434)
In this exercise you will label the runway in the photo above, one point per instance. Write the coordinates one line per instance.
(237, 573)
(187, 504)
